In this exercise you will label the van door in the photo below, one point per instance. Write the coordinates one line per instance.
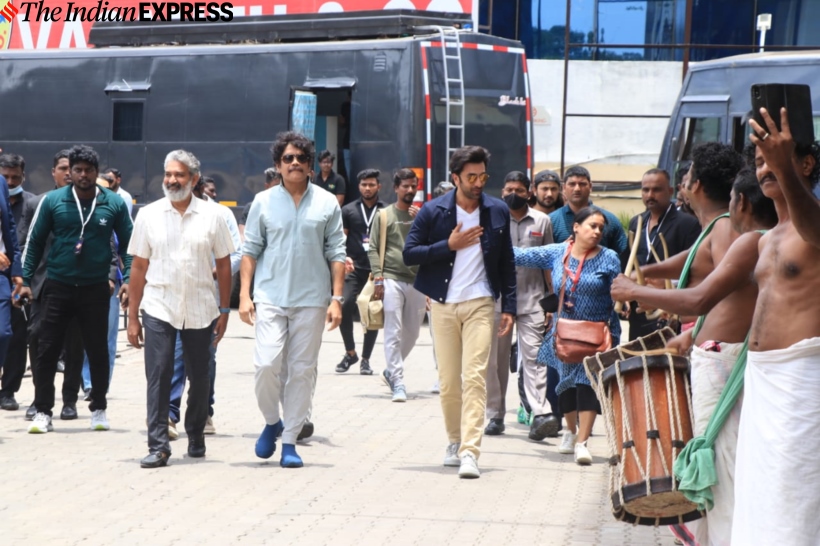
(700, 118)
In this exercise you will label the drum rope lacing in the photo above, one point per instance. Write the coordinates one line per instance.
(617, 480)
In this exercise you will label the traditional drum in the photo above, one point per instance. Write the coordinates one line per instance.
(646, 405)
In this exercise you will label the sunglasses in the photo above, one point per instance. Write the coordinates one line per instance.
(472, 177)
(301, 158)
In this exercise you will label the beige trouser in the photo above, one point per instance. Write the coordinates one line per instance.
(464, 333)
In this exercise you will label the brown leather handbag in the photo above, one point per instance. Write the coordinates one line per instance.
(577, 339)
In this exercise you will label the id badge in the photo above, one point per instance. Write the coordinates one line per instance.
(78, 248)
(366, 243)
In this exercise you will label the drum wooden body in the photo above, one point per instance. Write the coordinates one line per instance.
(651, 420)
(646, 407)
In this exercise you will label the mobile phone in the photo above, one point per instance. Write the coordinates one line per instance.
(796, 98)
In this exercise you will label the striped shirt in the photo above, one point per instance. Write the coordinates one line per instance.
(179, 285)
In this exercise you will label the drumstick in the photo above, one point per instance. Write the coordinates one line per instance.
(667, 282)
(651, 352)
(631, 262)
(665, 257)
(631, 237)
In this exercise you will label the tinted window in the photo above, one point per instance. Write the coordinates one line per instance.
(127, 121)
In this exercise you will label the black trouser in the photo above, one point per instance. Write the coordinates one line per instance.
(160, 340)
(14, 367)
(639, 325)
(89, 306)
(72, 354)
(354, 284)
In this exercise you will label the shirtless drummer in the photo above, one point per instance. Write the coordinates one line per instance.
(778, 468)
(727, 298)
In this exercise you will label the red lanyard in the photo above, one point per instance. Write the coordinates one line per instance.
(577, 275)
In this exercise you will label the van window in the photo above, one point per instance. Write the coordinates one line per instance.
(127, 121)
(741, 132)
(696, 131)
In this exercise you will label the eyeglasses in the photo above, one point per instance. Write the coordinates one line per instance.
(472, 177)
(301, 158)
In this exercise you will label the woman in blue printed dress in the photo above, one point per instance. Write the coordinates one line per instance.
(585, 299)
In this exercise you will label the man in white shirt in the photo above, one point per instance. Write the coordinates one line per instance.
(294, 233)
(174, 241)
(116, 187)
(461, 241)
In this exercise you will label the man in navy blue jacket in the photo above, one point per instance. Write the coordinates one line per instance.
(461, 241)
(11, 270)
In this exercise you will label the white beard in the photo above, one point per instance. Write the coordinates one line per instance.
(179, 195)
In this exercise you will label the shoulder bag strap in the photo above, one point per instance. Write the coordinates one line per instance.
(382, 236)
(563, 281)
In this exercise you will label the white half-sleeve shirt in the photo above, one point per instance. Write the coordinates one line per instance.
(179, 285)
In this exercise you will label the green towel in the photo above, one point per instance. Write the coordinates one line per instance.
(695, 466)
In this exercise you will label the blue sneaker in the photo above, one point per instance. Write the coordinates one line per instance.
(266, 444)
(289, 457)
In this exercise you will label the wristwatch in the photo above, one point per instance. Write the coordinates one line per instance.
(225, 310)
(340, 299)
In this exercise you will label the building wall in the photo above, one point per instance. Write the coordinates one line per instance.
(613, 149)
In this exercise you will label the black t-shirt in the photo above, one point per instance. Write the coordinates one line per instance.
(358, 230)
(680, 229)
(335, 183)
(247, 210)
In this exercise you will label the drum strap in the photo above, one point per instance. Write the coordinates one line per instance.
(695, 466)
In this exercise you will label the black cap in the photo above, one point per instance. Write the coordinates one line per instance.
(546, 176)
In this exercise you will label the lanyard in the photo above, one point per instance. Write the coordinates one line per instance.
(80, 209)
(368, 221)
(574, 277)
(649, 242)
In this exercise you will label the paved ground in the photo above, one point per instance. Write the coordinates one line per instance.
(373, 472)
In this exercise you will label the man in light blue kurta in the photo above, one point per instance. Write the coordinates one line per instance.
(295, 243)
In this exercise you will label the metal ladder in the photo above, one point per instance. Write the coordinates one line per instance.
(453, 86)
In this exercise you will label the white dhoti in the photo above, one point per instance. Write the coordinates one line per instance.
(777, 485)
(709, 372)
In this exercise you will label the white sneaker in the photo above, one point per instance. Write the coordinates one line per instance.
(469, 467)
(582, 454)
(435, 389)
(41, 424)
(399, 394)
(99, 421)
(567, 443)
(209, 426)
(451, 457)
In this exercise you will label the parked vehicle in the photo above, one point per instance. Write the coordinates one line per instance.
(715, 101)
(225, 103)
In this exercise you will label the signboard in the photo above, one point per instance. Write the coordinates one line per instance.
(48, 24)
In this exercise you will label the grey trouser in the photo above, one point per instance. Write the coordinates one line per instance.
(530, 333)
(160, 339)
(287, 337)
(404, 309)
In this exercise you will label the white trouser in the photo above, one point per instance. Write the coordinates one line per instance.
(404, 309)
(288, 337)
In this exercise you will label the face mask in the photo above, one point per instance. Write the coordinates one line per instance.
(515, 201)
(16, 191)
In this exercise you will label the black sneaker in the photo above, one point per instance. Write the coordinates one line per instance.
(8, 403)
(364, 367)
(346, 363)
(544, 426)
(306, 432)
(495, 427)
(87, 395)
(69, 412)
(31, 412)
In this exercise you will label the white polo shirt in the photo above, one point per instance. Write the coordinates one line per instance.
(179, 285)
(469, 280)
